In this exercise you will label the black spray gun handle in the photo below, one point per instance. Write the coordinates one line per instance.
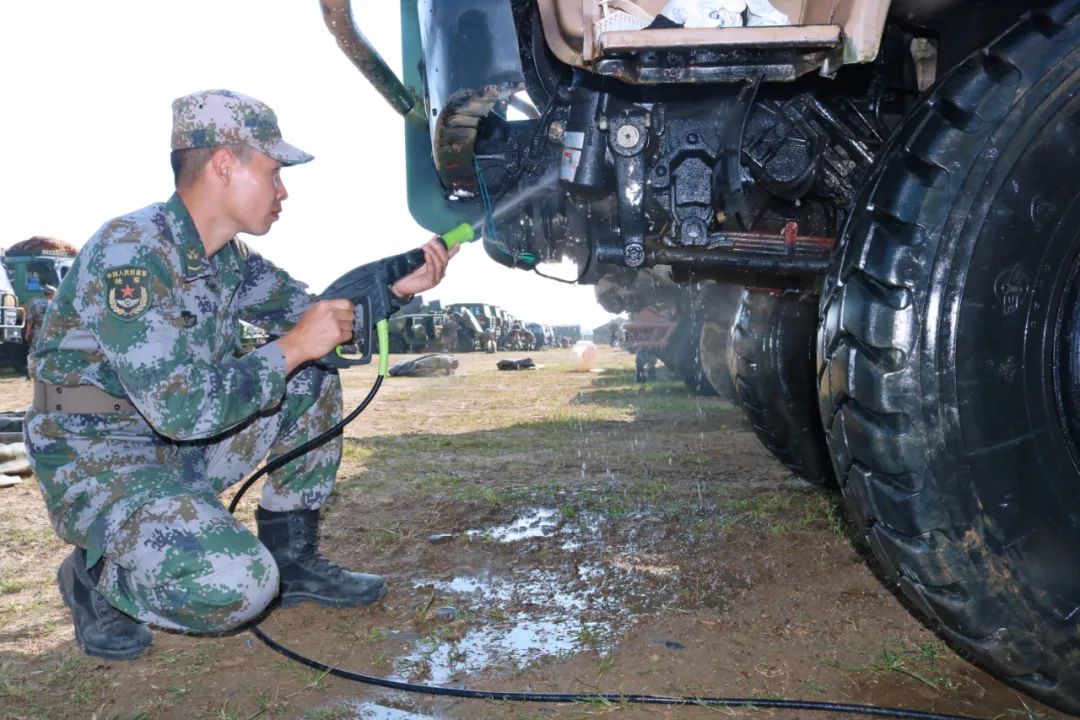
(368, 288)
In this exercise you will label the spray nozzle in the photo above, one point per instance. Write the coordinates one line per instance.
(460, 235)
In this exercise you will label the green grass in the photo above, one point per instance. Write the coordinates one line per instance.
(25, 537)
(780, 511)
(10, 586)
(922, 663)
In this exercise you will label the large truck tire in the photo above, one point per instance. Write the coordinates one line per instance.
(683, 355)
(697, 350)
(771, 356)
(717, 303)
(949, 357)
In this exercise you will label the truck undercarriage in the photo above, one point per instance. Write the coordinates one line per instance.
(863, 223)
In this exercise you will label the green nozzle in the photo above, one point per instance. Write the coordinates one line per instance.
(382, 330)
(463, 233)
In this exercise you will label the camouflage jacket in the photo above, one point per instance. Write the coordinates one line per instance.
(144, 314)
(35, 310)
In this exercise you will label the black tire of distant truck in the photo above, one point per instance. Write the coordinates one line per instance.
(718, 303)
(683, 355)
(949, 356)
(771, 361)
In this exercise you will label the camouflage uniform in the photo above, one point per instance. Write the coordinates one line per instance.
(143, 314)
(35, 314)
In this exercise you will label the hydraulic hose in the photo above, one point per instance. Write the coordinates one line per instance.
(636, 699)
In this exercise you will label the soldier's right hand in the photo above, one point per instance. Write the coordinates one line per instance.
(325, 325)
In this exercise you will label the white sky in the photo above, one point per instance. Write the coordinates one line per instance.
(86, 91)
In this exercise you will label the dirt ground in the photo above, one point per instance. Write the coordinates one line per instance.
(544, 530)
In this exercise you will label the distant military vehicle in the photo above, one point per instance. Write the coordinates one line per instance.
(443, 330)
(543, 335)
(489, 318)
(415, 332)
(251, 337)
(34, 263)
(12, 319)
(31, 266)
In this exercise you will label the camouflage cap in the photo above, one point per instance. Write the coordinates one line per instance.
(223, 117)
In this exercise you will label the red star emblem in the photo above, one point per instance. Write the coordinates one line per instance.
(127, 291)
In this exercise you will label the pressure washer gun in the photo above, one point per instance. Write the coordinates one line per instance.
(368, 288)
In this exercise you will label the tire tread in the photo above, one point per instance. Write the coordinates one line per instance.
(867, 342)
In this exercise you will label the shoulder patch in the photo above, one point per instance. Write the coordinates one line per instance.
(127, 291)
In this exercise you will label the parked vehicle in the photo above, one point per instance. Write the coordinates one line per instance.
(12, 319)
(543, 335)
(35, 263)
(894, 183)
(488, 317)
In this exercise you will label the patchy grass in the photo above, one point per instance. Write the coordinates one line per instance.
(664, 502)
(780, 511)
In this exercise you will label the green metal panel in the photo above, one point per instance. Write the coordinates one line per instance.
(427, 197)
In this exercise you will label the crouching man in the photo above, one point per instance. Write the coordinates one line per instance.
(144, 412)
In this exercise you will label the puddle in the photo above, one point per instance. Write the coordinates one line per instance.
(505, 622)
(539, 522)
(529, 616)
(366, 710)
(545, 522)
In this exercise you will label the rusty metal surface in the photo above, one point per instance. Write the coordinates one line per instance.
(472, 62)
(783, 253)
(337, 14)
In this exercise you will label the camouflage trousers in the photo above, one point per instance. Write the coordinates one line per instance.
(171, 553)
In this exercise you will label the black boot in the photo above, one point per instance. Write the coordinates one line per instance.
(100, 629)
(293, 539)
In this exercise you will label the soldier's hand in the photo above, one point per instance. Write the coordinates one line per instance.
(325, 325)
(430, 273)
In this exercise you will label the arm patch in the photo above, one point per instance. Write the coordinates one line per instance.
(127, 291)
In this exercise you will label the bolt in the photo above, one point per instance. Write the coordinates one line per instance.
(693, 230)
(556, 131)
(627, 136)
(692, 138)
(634, 255)
(601, 122)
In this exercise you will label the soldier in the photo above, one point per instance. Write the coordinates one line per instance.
(615, 331)
(450, 331)
(142, 414)
(35, 313)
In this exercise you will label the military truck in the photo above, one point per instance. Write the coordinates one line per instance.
(488, 317)
(543, 335)
(416, 332)
(12, 320)
(894, 183)
(34, 263)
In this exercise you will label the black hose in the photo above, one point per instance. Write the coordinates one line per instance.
(311, 444)
(760, 703)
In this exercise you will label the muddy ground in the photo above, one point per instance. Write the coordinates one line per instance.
(546, 530)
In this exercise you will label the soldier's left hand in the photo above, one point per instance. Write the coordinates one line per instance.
(430, 273)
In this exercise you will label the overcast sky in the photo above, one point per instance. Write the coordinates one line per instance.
(85, 122)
